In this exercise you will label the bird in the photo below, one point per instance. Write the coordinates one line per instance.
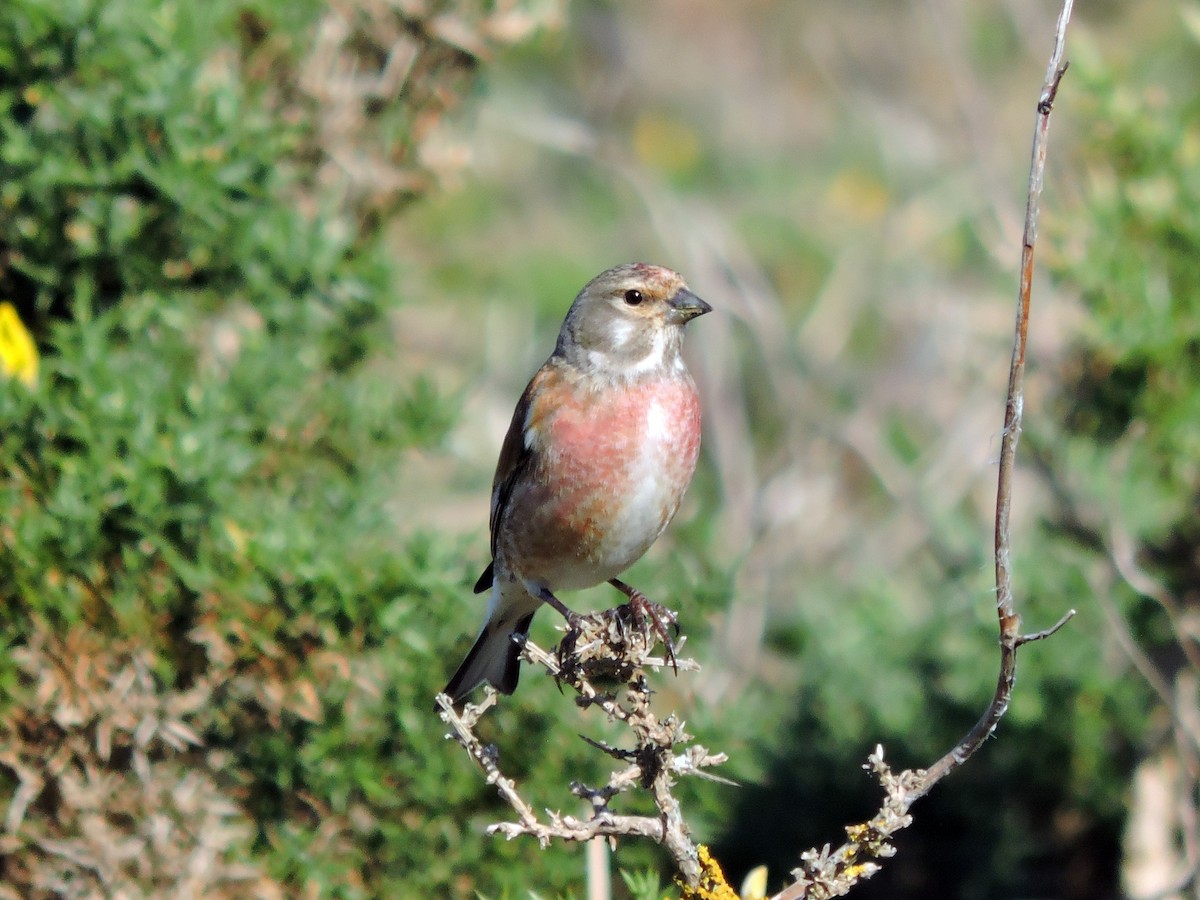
(602, 446)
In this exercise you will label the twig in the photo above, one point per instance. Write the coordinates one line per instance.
(827, 873)
(486, 755)
(1024, 639)
(1123, 554)
(1010, 623)
(823, 873)
(612, 644)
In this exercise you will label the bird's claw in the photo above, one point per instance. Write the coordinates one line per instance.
(643, 609)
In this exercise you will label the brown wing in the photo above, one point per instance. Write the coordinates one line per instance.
(515, 458)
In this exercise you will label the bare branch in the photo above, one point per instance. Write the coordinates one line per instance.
(486, 755)
(1010, 622)
(612, 645)
(828, 873)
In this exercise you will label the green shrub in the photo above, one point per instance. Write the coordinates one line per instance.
(218, 657)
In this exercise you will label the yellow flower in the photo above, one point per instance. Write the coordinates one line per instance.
(18, 353)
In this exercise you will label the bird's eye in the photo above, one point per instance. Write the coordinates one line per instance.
(632, 297)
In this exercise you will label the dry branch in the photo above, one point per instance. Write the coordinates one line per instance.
(598, 649)
(1010, 623)
(830, 874)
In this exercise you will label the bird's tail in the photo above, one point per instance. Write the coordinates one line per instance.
(493, 659)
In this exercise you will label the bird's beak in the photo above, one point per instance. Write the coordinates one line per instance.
(686, 306)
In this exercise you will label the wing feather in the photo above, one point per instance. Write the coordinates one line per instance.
(516, 454)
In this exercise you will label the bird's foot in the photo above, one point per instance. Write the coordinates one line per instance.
(642, 610)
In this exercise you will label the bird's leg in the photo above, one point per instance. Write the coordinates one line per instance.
(546, 596)
(642, 608)
(567, 660)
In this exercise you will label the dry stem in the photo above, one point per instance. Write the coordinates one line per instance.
(831, 874)
(613, 644)
(1010, 623)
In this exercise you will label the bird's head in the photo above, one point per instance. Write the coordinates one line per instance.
(629, 320)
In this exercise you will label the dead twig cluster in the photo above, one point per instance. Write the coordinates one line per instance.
(113, 793)
(604, 658)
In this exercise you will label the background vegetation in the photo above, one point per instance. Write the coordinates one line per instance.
(283, 308)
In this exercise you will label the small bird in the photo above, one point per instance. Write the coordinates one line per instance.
(600, 451)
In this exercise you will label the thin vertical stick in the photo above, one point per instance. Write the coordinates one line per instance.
(599, 877)
(1010, 623)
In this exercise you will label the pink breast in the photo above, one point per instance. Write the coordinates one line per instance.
(606, 443)
(612, 472)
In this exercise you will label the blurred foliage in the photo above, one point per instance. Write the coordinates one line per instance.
(1123, 455)
(1131, 398)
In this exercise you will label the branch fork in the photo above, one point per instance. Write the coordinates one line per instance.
(596, 651)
